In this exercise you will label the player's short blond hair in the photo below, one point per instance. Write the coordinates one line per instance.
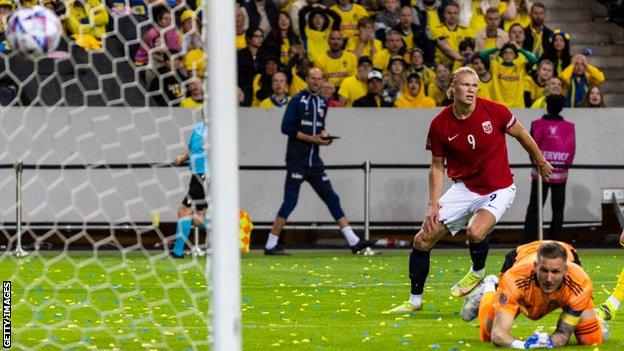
(450, 91)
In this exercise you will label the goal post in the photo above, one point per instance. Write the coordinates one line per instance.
(222, 107)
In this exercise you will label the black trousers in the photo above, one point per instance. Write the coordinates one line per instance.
(557, 196)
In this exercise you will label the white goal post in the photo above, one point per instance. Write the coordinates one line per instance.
(221, 100)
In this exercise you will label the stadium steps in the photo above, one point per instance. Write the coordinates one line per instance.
(592, 38)
(607, 61)
(576, 15)
(614, 99)
(558, 5)
(612, 86)
(599, 50)
(613, 73)
(573, 28)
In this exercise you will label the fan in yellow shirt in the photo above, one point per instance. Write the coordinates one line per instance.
(523, 17)
(86, 23)
(316, 29)
(196, 91)
(448, 35)
(508, 72)
(482, 67)
(414, 96)
(437, 89)
(241, 41)
(350, 14)
(394, 47)
(534, 85)
(279, 97)
(479, 8)
(364, 43)
(354, 87)
(553, 87)
(298, 74)
(336, 64)
(431, 12)
(427, 75)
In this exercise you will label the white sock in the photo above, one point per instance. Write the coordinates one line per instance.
(415, 300)
(489, 286)
(480, 272)
(271, 241)
(615, 302)
(350, 235)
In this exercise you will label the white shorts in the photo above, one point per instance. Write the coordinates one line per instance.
(458, 205)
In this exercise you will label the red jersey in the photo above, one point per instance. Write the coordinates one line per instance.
(475, 148)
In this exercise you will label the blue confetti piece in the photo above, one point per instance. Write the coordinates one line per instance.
(435, 346)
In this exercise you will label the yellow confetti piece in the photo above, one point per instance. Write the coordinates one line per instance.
(407, 335)
(382, 324)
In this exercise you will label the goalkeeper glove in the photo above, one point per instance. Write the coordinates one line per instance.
(539, 341)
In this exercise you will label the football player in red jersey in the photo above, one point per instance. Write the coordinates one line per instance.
(470, 135)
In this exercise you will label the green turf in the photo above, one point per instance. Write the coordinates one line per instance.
(309, 301)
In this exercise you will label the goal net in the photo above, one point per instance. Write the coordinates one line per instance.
(90, 202)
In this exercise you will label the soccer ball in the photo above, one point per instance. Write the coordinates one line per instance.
(34, 31)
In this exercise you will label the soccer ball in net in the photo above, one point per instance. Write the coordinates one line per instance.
(34, 31)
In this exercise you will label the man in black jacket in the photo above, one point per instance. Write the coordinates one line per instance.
(373, 98)
(537, 34)
(304, 122)
(250, 61)
(414, 35)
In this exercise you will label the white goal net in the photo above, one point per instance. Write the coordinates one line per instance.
(89, 211)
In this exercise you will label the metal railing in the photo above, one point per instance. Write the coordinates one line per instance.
(366, 167)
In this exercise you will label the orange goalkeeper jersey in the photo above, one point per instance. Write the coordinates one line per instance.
(518, 291)
(529, 251)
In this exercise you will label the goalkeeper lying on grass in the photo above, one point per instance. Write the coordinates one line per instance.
(536, 287)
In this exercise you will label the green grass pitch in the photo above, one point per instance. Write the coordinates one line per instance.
(308, 301)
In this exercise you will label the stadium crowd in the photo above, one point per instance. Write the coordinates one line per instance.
(373, 53)
(395, 53)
